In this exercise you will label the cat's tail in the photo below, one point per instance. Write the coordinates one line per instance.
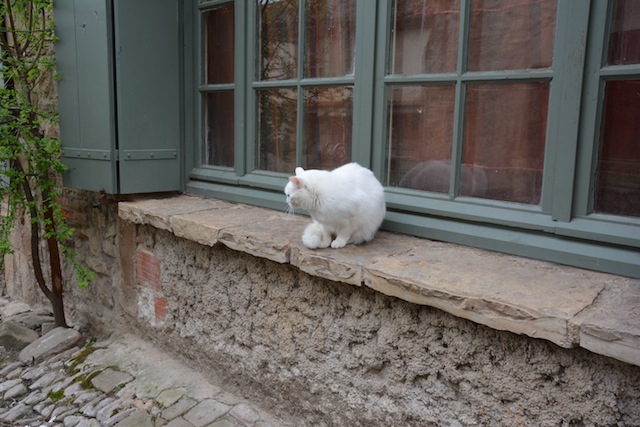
(316, 236)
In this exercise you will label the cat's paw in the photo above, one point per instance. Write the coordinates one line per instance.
(338, 243)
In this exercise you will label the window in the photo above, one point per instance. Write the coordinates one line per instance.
(509, 125)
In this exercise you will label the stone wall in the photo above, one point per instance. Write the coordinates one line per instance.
(339, 354)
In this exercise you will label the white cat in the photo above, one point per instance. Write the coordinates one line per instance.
(346, 204)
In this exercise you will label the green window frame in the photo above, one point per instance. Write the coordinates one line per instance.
(560, 227)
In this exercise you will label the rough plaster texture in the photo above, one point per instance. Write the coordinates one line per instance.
(344, 355)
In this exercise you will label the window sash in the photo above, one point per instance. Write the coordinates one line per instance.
(570, 149)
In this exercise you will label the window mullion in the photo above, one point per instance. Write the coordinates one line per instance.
(460, 96)
(250, 116)
(379, 156)
(564, 109)
(363, 88)
(300, 89)
(240, 77)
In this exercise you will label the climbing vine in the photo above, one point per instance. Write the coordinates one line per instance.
(30, 165)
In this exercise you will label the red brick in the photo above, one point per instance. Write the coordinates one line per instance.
(160, 308)
(148, 270)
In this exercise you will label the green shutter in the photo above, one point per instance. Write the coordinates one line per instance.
(85, 95)
(120, 93)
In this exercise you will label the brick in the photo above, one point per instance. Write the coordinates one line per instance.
(148, 270)
(160, 307)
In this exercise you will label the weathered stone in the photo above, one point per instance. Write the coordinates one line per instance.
(179, 408)
(245, 413)
(46, 380)
(179, 422)
(438, 277)
(18, 411)
(206, 412)
(10, 368)
(258, 238)
(204, 226)
(15, 391)
(345, 265)
(16, 336)
(13, 308)
(615, 336)
(137, 419)
(8, 385)
(168, 397)
(31, 320)
(119, 416)
(159, 214)
(109, 379)
(56, 341)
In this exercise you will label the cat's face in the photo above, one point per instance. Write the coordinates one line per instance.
(296, 191)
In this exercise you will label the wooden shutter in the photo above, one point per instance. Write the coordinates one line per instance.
(119, 94)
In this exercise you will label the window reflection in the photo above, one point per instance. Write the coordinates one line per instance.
(421, 134)
(618, 179)
(505, 134)
(277, 129)
(425, 36)
(330, 38)
(328, 121)
(219, 115)
(220, 35)
(511, 35)
(278, 45)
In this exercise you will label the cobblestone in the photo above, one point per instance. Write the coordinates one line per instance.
(106, 385)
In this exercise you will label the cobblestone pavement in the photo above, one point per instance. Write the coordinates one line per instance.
(123, 382)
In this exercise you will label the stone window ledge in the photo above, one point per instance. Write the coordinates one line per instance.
(568, 306)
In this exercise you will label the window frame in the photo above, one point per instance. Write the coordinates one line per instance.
(560, 228)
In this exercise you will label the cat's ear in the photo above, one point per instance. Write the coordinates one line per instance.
(299, 170)
(297, 182)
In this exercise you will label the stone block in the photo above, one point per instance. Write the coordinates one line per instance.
(109, 379)
(495, 296)
(56, 341)
(346, 264)
(158, 213)
(270, 238)
(15, 336)
(206, 412)
(615, 336)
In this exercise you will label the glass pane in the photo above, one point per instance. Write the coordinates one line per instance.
(505, 132)
(330, 38)
(278, 45)
(219, 119)
(219, 28)
(328, 116)
(277, 129)
(618, 179)
(421, 124)
(511, 35)
(624, 41)
(425, 36)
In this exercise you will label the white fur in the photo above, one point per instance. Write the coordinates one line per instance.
(346, 204)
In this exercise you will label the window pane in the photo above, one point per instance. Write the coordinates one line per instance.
(618, 178)
(328, 122)
(504, 141)
(425, 37)
(330, 38)
(624, 42)
(277, 129)
(421, 124)
(511, 35)
(219, 28)
(278, 45)
(219, 120)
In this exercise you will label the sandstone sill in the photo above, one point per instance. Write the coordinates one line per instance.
(568, 306)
